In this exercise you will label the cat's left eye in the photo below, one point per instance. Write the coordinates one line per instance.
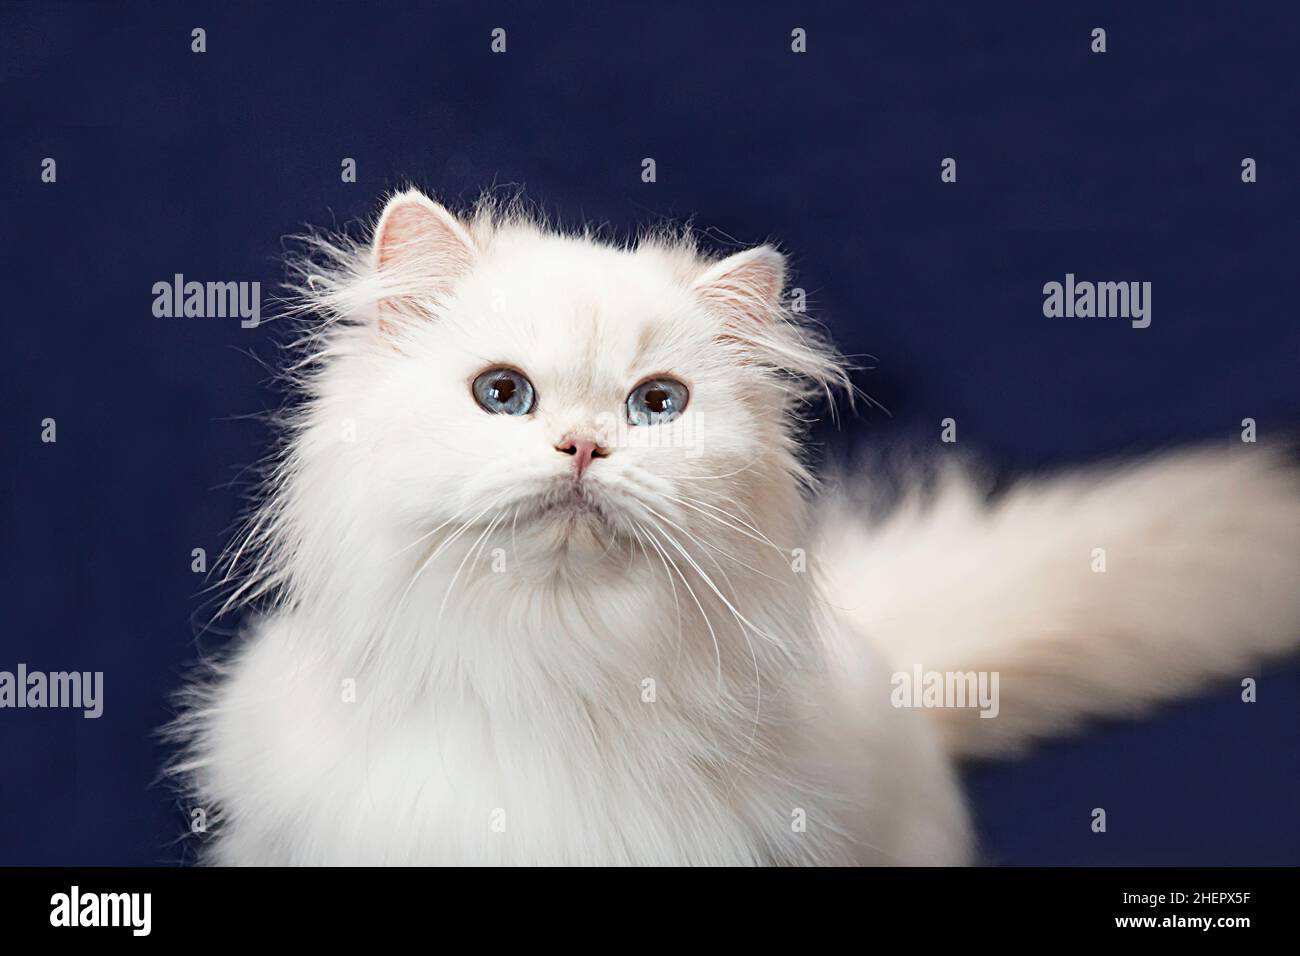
(657, 401)
(504, 391)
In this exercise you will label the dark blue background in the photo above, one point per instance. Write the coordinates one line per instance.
(1117, 166)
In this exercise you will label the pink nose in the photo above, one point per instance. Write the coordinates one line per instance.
(582, 450)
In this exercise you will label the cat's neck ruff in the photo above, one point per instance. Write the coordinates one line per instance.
(504, 615)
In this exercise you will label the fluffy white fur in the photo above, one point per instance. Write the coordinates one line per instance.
(498, 630)
(1201, 578)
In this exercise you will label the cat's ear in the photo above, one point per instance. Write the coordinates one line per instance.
(745, 287)
(744, 292)
(418, 251)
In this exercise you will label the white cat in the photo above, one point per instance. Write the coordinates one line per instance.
(542, 580)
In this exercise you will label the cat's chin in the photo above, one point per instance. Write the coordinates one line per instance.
(572, 506)
(576, 521)
(573, 520)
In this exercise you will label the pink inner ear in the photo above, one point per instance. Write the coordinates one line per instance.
(746, 285)
(415, 229)
(400, 231)
(419, 249)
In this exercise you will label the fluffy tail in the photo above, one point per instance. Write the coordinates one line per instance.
(1096, 594)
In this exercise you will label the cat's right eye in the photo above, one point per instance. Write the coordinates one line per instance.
(504, 391)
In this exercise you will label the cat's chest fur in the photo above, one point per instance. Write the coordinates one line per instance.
(309, 770)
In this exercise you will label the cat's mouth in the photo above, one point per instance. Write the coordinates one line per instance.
(574, 503)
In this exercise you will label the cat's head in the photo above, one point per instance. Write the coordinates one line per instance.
(573, 396)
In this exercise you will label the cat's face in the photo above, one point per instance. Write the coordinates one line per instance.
(561, 395)
(523, 399)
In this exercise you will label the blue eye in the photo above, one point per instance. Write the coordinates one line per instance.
(657, 401)
(503, 391)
